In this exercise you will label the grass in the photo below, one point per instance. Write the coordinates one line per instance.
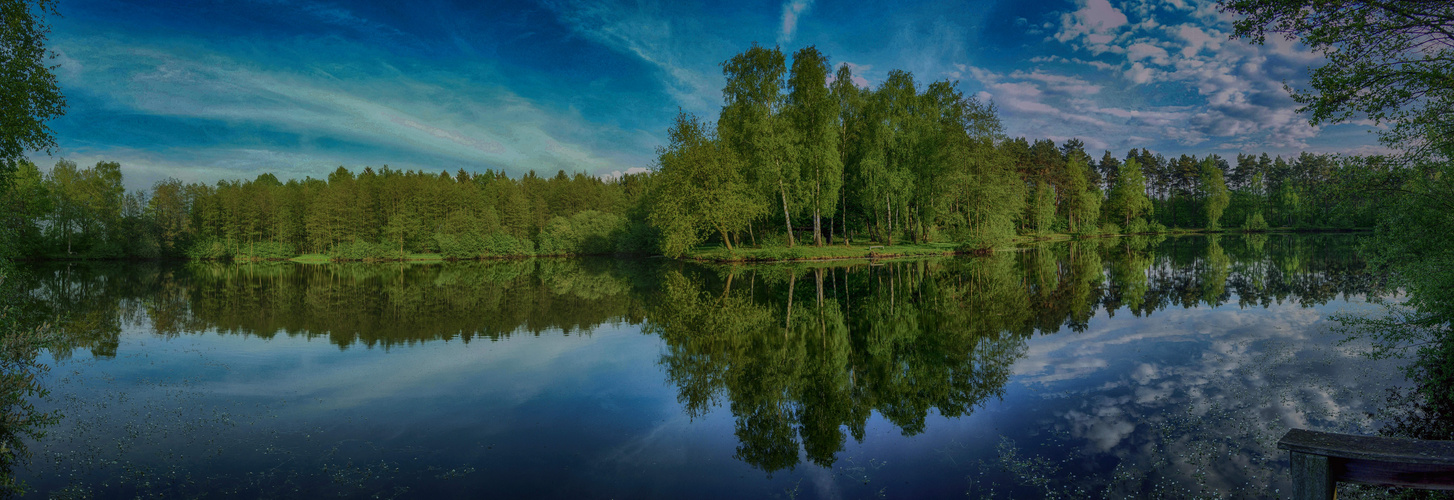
(316, 258)
(311, 258)
(719, 253)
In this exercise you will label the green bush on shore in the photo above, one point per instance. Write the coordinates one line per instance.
(1255, 223)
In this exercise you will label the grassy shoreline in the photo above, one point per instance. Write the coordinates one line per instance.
(802, 253)
(799, 253)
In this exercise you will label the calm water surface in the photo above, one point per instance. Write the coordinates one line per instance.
(1137, 367)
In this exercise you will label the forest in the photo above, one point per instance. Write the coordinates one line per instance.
(789, 161)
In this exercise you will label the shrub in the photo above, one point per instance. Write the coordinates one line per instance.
(265, 250)
(460, 246)
(210, 249)
(1137, 226)
(585, 233)
(1110, 228)
(1255, 223)
(504, 245)
(772, 240)
(987, 238)
(636, 238)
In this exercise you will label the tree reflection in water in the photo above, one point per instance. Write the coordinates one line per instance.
(802, 354)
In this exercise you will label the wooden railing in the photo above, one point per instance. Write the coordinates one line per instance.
(1321, 460)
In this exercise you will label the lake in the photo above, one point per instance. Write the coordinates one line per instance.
(1138, 366)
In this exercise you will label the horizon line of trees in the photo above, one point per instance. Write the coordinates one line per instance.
(795, 154)
(86, 213)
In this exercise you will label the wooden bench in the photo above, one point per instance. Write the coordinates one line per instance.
(1320, 460)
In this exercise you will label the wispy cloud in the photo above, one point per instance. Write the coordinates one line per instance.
(640, 31)
(792, 9)
(403, 120)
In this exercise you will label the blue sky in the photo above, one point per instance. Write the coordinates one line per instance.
(208, 90)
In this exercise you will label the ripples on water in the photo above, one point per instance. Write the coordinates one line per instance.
(1125, 367)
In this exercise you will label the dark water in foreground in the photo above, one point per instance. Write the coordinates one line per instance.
(1127, 366)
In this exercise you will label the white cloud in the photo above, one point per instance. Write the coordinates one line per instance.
(792, 10)
(1145, 51)
(617, 174)
(1238, 87)
(410, 120)
(1097, 22)
(640, 32)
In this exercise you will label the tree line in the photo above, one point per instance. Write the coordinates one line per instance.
(797, 154)
(74, 212)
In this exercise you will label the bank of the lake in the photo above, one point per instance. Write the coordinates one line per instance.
(808, 252)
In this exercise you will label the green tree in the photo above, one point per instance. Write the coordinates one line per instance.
(813, 112)
(699, 187)
(1082, 198)
(1128, 199)
(752, 126)
(1390, 61)
(29, 94)
(26, 204)
(1214, 193)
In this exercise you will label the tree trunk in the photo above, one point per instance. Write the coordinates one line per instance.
(786, 218)
(725, 240)
(817, 227)
(889, 214)
(843, 207)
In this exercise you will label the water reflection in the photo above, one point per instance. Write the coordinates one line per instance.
(802, 355)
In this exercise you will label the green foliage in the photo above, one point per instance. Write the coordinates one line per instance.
(699, 189)
(989, 238)
(1082, 199)
(637, 238)
(265, 250)
(754, 130)
(1388, 61)
(1040, 212)
(223, 249)
(504, 245)
(813, 114)
(1128, 199)
(1215, 196)
(461, 246)
(1255, 223)
(31, 94)
(211, 249)
(585, 233)
(1138, 226)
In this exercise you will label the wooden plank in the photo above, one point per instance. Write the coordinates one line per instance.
(1368, 448)
(1312, 477)
(1420, 476)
